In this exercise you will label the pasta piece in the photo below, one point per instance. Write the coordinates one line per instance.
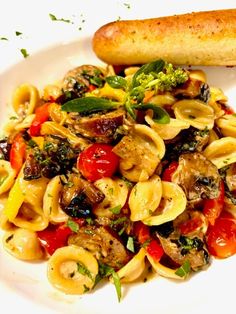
(72, 270)
(25, 100)
(140, 152)
(170, 130)
(198, 75)
(26, 123)
(51, 92)
(23, 244)
(212, 136)
(221, 152)
(173, 203)
(227, 125)
(115, 191)
(51, 206)
(217, 95)
(7, 176)
(112, 93)
(53, 128)
(161, 100)
(134, 268)
(195, 112)
(144, 198)
(162, 270)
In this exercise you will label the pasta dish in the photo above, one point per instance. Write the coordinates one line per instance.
(115, 172)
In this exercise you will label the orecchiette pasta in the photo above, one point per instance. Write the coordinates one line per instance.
(227, 125)
(222, 152)
(23, 244)
(115, 192)
(134, 268)
(195, 112)
(72, 269)
(25, 99)
(173, 204)
(145, 198)
(51, 204)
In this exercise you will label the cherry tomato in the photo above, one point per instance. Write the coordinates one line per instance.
(97, 161)
(221, 238)
(213, 207)
(191, 225)
(17, 152)
(152, 246)
(54, 237)
(168, 172)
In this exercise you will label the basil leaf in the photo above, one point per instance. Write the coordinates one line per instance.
(160, 115)
(184, 270)
(129, 109)
(130, 244)
(116, 81)
(88, 105)
(83, 270)
(115, 210)
(117, 284)
(74, 226)
(155, 66)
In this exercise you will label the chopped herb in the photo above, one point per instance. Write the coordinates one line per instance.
(118, 221)
(184, 270)
(13, 118)
(116, 81)
(83, 270)
(146, 243)
(111, 191)
(127, 5)
(2, 180)
(24, 52)
(115, 210)
(49, 195)
(106, 271)
(191, 117)
(74, 226)
(86, 289)
(31, 143)
(54, 18)
(18, 33)
(130, 244)
(3, 38)
(89, 221)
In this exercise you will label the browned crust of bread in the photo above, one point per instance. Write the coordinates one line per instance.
(197, 38)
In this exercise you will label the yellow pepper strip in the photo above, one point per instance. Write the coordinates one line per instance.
(14, 201)
(39, 140)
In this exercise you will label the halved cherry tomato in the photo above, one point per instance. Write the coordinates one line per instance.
(152, 246)
(191, 225)
(41, 116)
(169, 171)
(221, 238)
(97, 161)
(17, 152)
(213, 207)
(56, 236)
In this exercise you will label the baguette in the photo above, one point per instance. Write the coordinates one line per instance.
(200, 38)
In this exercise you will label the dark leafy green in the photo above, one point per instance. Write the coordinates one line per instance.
(116, 81)
(160, 115)
(89, 105)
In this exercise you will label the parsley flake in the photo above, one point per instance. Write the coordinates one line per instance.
(54, 18)
(24, 52)
(72, 225)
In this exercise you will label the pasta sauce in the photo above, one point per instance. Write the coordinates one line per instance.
(105, 174)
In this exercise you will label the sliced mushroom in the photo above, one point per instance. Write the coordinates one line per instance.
(103, 244)
(198, 177)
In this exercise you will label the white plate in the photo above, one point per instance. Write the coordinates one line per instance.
(24, 285)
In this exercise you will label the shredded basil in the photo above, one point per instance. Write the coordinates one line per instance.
(83, 270)
(184, 270)
(74, 226)
(54, 18)
(130, 244)
(115, 210)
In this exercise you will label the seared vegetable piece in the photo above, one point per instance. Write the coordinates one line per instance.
(5, 149)
(181, 249)
(78, 81)
(100, 127)
(79, 196)
(190, 140)
(198, 177)
(56, 158)
(103, 243)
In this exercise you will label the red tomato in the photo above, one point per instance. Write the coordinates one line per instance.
(168, 172)
(152, 246)
(41, 115)
(17, 152)
(191, 225)
(54, 237)
(213, 207)
(97, 161)
(221, 238)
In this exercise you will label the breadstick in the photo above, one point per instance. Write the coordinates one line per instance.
(198, 38)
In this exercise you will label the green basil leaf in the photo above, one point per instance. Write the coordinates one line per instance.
(160, 115)
(83, 270)
(155, 66)
(184, 269)
(129, 109)
(89, 105)
(130, 244)
(74, 226)
(116, 81)
(117, 284)
(115, 210)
